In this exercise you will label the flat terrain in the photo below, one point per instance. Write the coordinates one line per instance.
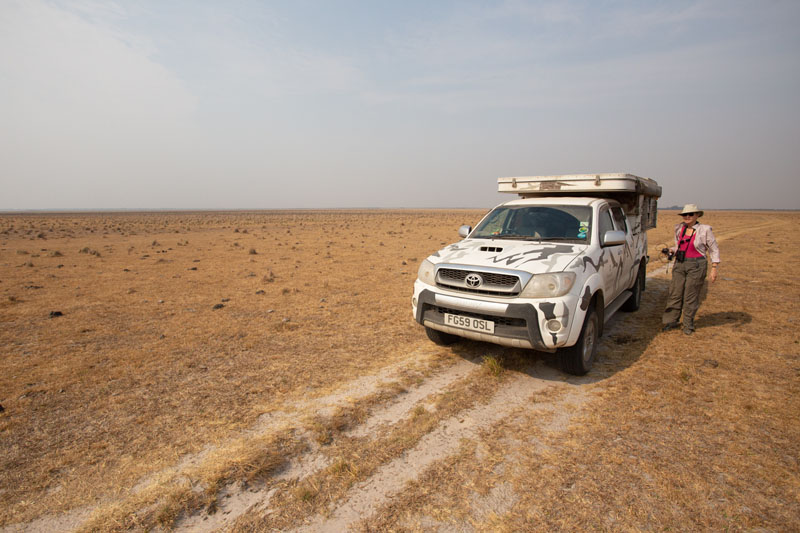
(260, 371)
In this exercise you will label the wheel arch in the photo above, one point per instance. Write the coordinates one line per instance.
(591, 294)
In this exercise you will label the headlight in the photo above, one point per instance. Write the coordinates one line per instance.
(425, 273)
(549, 285)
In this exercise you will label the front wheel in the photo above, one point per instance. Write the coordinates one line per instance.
(578, 359)
(440, 337)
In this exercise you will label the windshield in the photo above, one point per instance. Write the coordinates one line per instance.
(547, 223)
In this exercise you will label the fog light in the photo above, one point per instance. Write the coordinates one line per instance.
(414, 301)
(553, 325)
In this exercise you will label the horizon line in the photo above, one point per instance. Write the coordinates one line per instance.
(249, 209)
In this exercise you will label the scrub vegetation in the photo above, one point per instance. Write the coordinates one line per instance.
(260, 371)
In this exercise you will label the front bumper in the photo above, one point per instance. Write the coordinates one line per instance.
(518, 323)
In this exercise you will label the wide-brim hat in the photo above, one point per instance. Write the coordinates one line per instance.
(691, 208)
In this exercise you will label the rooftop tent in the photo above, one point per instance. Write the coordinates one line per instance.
(638, 196)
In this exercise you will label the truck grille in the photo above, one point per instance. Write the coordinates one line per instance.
(493, 283)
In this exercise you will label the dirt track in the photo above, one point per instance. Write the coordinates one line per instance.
(368, 495)
(517, 394)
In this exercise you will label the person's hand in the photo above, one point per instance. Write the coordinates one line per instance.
(713, 274)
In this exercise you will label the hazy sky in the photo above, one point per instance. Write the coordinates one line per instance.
(329, 103)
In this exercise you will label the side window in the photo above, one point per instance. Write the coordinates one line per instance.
(605, 224)
(619, 218)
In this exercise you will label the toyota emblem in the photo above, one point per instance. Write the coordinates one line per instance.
(473, 280)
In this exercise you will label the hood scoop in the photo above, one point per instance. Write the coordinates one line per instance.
(494, 249)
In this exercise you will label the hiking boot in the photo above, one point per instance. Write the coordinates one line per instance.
(671, 325)
(688, 331)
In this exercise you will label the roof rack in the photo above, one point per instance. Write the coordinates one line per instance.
(578, 184)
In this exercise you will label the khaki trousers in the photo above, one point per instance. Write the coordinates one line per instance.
(684, 291)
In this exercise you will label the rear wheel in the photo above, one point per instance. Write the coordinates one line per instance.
(440, 337)
(635, 300)
(578, 359)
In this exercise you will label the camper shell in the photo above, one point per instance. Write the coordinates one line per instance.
(638, 196)
(546, 270)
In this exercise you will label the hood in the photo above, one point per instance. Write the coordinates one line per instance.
(532, 257)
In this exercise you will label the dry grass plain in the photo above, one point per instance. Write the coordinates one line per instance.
(260, 371)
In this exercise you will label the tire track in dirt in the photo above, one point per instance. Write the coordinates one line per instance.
(68, 521)
(235, 499)
(442, 442)
(286, 418)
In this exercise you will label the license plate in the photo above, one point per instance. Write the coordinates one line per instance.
(467, 322)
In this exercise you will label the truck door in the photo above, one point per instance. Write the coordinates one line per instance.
(612, 264)
(628, 271)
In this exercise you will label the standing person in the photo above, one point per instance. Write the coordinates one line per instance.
(692, 242)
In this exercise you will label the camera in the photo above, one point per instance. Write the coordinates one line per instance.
(670, 255)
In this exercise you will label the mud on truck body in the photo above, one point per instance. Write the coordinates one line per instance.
(544, 271)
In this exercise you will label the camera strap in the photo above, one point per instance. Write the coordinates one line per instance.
(683, 243)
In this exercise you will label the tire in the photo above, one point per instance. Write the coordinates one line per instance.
(578, 360)
(440, 337)
(632, 304)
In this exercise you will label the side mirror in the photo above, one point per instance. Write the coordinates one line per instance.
(464, 230)
(613, 238)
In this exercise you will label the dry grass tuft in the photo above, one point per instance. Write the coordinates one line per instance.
(89, 251)
(493, 365)
(342, 467)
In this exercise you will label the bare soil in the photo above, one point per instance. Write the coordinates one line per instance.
(260, 371)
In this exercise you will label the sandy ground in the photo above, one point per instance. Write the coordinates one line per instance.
(472, 467)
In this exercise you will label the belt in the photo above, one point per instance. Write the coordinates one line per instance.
(694, 259)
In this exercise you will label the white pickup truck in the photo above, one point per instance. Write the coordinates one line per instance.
(544, 271)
